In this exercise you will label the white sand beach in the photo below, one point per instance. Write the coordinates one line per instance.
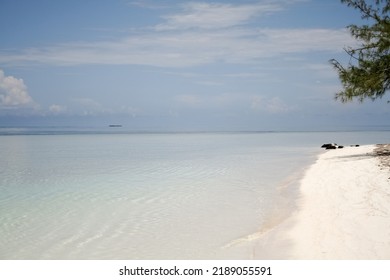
(343, 212)
(344, 208)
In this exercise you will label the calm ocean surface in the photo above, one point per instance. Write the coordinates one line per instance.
(106, 195)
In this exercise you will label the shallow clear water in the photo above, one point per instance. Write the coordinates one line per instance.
(148, 196)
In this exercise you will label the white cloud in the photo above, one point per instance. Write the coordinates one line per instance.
(234, 102)
(57, 109)
(215, 15)
(196, 36)
(13, 93)
(188, 48)
(88, 107)
(276, 105)
(131, 111)
(220, 100)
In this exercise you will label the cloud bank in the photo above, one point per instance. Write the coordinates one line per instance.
(198, 34)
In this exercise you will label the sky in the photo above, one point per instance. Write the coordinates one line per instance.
(179, 65)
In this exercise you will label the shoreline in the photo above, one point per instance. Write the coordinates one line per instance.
(342, 210)
(344, 207)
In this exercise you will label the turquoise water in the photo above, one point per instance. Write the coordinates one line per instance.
(148, 196)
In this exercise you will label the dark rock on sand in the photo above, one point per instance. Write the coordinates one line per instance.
(331, 148)
(326, 146)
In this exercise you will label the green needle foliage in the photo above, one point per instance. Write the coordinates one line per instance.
(368, 72)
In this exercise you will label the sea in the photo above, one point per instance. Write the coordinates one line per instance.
(115, 194)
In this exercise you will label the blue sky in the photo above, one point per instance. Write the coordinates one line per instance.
(179, 65)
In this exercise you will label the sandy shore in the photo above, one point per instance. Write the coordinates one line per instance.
(344, 208)
(343, 212)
